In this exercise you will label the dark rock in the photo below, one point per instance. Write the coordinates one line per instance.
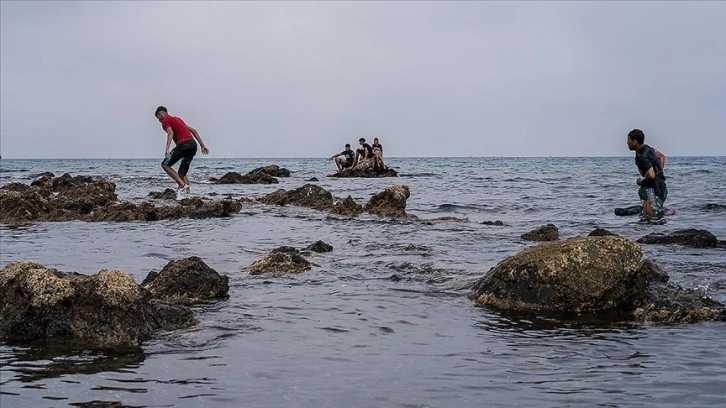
(281, 260)
(651, 272)
(187, 281)
(319, 246)
(497, 222)
(602, 232)
(391, 202)
(547, 232)
(313, 179)
(689, 237)
(309, 195)
(250, 178)
(599, 275)
(193, 207)
(272, 170)
(367, 169)
(104, 310)
(347, 207)
(167, 194)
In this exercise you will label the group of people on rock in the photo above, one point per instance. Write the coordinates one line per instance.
(348, 159)
(650, 162)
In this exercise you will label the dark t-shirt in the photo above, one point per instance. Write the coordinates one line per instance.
(349, 156)
(368, 148)
(646, 159)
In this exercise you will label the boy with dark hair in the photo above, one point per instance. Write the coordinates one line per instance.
(346, 163)
(184, 150)
(653, 191)
(365, 152)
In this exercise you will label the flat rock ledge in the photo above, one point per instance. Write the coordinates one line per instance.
(696, 238)
(105, 310)
(85, 198)
(280, 261)
(602, 275)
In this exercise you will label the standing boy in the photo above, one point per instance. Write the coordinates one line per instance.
(652, 191)
(185, 149)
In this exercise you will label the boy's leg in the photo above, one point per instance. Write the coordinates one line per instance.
(166, 164)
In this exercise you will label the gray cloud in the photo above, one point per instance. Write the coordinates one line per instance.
(300, 79)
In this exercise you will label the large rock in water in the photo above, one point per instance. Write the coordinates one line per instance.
(599, 275)
(391, 202)
(309, 195)
(280, 261)
(233, 177)
(547, 232)
(104, 310)
(367, 169)
(188, 280)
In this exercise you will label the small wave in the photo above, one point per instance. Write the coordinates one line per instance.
(411, 175)
(455, 207)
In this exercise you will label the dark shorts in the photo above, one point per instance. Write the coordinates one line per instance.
(348, 163)
(184, 152)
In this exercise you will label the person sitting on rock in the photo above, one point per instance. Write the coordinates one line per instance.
(346, 161)
(377, 150)
(364, 153)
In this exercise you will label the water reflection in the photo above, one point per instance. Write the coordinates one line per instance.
(44, 360)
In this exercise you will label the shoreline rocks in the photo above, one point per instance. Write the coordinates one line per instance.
(86, 198)
(107, 309)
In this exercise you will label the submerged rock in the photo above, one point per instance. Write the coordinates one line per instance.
(598, 275)
(391, 202)
(692, 237)
(367, 169)
(188, 280)
(104, 310)
(347, 207)
(280, 260)
(547, 232)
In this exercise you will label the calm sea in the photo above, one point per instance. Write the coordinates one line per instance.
(345, 333)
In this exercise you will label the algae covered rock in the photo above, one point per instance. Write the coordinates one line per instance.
(280, 260)
(187, 280)
(107, 309)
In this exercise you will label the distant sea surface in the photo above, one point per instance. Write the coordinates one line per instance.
(345, 334)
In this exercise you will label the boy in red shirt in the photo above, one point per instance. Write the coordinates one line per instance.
(185, 149)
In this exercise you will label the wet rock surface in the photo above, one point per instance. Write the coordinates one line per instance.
(107, 309)
(547, 232)
(188, 280)
(86, 198)
(167, 194)
(691, 237)
(319, 246)
(309, 195)
(391, 202)
(366, 169)
(280, 261)
(597, 275)
(260, 175)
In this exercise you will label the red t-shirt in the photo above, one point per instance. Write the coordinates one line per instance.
(181, 132)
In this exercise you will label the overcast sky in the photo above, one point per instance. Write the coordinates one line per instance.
(299, 79)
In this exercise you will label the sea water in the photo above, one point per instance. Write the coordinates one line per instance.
(383, 320)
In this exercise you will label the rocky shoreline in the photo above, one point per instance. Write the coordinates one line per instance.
(602, 274)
